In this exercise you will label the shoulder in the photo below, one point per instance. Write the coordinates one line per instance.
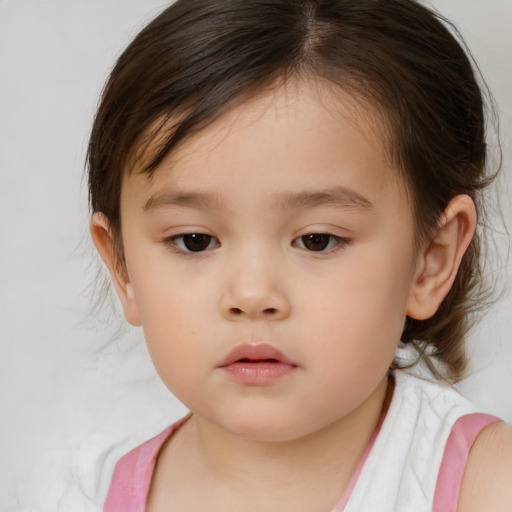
(486, 484)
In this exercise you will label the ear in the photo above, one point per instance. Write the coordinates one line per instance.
(102, 238)
(439, 261)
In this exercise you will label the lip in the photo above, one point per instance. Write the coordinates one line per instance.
(257, 364)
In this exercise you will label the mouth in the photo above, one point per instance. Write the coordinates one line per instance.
(257, 364)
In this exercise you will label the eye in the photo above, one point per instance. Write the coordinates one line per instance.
(319, 242)
(194, 242)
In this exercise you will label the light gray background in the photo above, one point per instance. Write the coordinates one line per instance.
(68, 407)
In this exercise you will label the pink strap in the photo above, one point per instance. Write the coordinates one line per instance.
(132, 475)
(449, 480)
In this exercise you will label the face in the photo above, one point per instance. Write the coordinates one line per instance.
(270, 262)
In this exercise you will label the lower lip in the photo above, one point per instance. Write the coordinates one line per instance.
(258, 373)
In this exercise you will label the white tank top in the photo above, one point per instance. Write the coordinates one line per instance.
(402, 469)
(414, 462)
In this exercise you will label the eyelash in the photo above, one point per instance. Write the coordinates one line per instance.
(333, 242)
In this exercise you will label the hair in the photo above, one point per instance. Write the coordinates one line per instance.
(199, 58)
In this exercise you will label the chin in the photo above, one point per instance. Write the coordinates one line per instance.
(265, 427)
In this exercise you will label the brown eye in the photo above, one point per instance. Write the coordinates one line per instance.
(194, 242)
(320, 242)
(316, 241)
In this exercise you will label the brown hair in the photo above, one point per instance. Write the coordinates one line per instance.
(199, 57)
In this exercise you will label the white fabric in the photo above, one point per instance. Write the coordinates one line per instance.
(400, 473)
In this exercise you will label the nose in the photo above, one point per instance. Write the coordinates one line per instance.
(254, 290)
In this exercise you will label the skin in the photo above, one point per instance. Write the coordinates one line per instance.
(486, 482)
(255, 182)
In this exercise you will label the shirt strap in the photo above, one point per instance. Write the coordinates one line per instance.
(132, 476)
(449, 480)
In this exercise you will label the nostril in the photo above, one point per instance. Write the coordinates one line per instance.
(270, 311)
(236, 311)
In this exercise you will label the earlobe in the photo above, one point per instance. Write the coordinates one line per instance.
(438, 263)
(104, 243)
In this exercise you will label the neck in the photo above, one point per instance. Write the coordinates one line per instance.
(319, 463)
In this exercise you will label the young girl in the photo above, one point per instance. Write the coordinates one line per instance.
(284, 193)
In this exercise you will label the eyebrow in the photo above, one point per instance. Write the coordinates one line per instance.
(333, 196)
(200, 200)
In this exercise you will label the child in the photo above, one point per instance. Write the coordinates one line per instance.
(282, 191)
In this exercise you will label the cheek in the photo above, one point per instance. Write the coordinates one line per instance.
(358, 314)
(172, 313)
(166, 296)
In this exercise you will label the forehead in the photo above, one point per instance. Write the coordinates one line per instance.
(303, 126)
